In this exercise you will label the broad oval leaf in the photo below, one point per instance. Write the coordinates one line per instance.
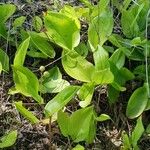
(6, 10)
(21, 53)
(103, 117)
(78, 147)
(76, 66)
(9, 139)
(27, 114)
(26, 82)
(60, 100)
(62, 30)
(137, 102)
(42, 44)
(100, 29)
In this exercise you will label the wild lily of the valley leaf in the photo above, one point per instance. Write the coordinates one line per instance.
(60, 100)
(85, 94)
(62, 30)
(53, 82)
(126, 141)
(80, 126)
(76, 66)
(19, 21)
(137, 132)
(8, 139)
(26, 82)
(42, 44)
(37, 23)
(21, 53)
(1, 68)
(103, 117)
(137, 102)
(129, 29)
(118, 58)
(27, 114)
(6, 10)
(100, 29)
(102, 74)
(78, 147)
(4, 60)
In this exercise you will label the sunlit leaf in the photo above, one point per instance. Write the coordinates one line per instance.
(8, 139)
(137, 102)
(56, 25)
(27, 114)
(21, 53)
(103, 117)
(60, 100)
(42, 44)
(26, 82)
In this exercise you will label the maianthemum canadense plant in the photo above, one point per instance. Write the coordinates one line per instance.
(62, 28)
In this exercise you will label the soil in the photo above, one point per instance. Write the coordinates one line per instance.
(36, 137)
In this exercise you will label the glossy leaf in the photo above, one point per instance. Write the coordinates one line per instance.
(137, 132)
(85, 130)
(85, 94)
(56, 25)
(8, 139)
(6, 10)
(74, 64)
(27, 114)
(63, 122)
(60, 100)
(1, 68)
(137, 102)
(126, 141)
(42, 44)
(118, 58)
(37, 23)
(26, 82)
(4, 60)
(103, 117)
(21, 53)
(78, 147)
(100, 29)
(19, 21)
(102, 74)
(53, 82)
(130, 30)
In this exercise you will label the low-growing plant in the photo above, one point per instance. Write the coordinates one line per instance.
(108, 66)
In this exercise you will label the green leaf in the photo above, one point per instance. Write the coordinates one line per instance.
(118, 58)
(37, 23)
(102, 73)
(4, 60)
(6, 10)
(56, 25)
(85, 94)
(1, 68)
(21, 53)
(42, 44)
(74, 64)
(85, 130)
(78, 147)
(103, 117)
(148, 129)
(137, 133)
(126, 141)
(19, 21)
(129, 30)
(137, 102)
(27, 114)
(53, 82)
(8, 139)
(60, 100)
(63, 122)
(26, 82)
(100, 29)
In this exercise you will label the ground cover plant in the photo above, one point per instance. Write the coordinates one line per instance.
(80, 75)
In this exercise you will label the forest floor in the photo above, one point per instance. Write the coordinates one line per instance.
(36, 137)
